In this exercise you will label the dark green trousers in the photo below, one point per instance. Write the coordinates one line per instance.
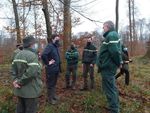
(27, 105)
(110, 89)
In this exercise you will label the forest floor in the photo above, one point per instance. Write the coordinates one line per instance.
(134, 98)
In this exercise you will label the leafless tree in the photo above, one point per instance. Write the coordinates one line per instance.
(47, 19)
(117, 14)
(16, 21)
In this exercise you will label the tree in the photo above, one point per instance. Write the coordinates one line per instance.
(16, 21)
(47, 19)
(67, 23)
(117, 14)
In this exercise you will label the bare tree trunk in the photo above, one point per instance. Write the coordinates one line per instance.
(23, 20)
(133, 14)
(117, 14)
(67, 23)
(16, 21)
(47, 19)
(35, 17)
(148, 50)
(130, 27)
(67, 27)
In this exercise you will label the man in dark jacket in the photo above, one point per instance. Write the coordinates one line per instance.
(109, 60)
(51, 59)
(26, 75)
(72, 62)
(89, 56)
(125, 67)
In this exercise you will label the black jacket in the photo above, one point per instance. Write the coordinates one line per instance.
(89, 54)
(49, 53)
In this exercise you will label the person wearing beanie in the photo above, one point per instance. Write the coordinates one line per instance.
(108, 61)
(51, 59)
(26, 75)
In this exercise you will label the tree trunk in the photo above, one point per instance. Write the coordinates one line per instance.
(47, 19)
(148, 50)
(16, 21)
(133, 14)
(117, 14)
(130, 27)
(67, 23)
(67, 26)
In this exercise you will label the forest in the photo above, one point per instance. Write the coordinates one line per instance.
(42, 18)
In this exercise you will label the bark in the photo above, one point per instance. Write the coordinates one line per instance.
(130, 27)
(47, 19)
(117, 14)
(16, 21)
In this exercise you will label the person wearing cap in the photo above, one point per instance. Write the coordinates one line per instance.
(19, 47)
(125, 67)
(51, 59)
(72, 56)
(26, 75)
(108, 61)
(89, 56)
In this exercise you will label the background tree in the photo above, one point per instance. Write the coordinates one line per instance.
(47, 19)
(16, 21)
(117, 14)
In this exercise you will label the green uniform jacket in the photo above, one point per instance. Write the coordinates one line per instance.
(89, 55)
(26, 69)
(72, 57)
(109, 57)
(15, 53)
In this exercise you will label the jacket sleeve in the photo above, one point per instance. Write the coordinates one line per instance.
(67, 55)
(114, 49)
(94, 56)
(32, 71)
(83, 55)
(76, 55)
(45, 54)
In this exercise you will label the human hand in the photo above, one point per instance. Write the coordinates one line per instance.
(91, 65)
(16, 85)
(51, 62)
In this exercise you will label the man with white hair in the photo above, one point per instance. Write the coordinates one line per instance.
(109, 60)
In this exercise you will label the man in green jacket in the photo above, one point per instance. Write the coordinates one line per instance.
(26, 75)
(71, 56)
(89, 59)
(109, 60)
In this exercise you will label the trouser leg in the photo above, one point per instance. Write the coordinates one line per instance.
(31, 105)
(20, 105)
(127, 76)
(27, 105)
(85, 72)
(51, 86)
(67, 77)
(110, 89)
(74, 75)
(92, 77)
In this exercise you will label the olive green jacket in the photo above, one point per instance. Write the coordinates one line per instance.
(26, 69)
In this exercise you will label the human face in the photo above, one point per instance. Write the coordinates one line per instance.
(56, 39)
(89, 40)
(105, 27)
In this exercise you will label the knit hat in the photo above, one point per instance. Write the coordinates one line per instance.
(28, 41)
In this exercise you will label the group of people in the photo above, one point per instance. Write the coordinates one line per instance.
(26, 69)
